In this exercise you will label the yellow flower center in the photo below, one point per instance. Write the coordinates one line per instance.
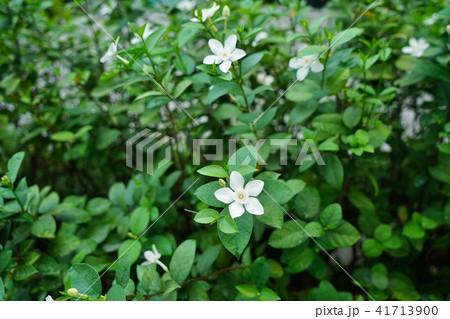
(241, 196)
(224, 55)
(306, 61)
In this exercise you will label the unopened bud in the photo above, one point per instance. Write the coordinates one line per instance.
(6, 182)
(72, 292)
(122, 59)
(447, 28)
(222, 183)
(226, 11)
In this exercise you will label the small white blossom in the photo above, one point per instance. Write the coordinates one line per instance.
(147, 31)
(304, 64)
(260, 36)
(153, 256)
(49, 298)
(239, 196)
(224, 55)
(185, 5)
(431, 20)
(416, 47)
(111, 53)
(206, 13)
(264, 78)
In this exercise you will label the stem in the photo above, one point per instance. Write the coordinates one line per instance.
(325, 67)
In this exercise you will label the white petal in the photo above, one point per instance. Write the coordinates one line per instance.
(316, 66)
(302, 73)
(106, 58)
(210, 59)
(407, 50)
(237, 54)
(236, 209)
(225, 195)
(230, 43)
(254, 187)
(49, 298)
(225, 66)
(302, 46)
(413, 42)
(149, 255)
(296, 63)
(216, 47)
(145, 263)
(254, 207)
(236, 180)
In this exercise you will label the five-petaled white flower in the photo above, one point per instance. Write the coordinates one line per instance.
(304, 64)
(153, 257)
(206, 13)
(239, 196)
(416, 47)
(224, 54)
(111, 53)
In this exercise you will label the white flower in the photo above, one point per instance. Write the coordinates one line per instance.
(431, 20)
(264, 78)
(185, 5)
(206, 13)
(224, 55)
(304, 64)
(49, 298)
(147, 31)
(111, 53)
(239, 196)
(416, 47)
(260, 36)
(153, 257)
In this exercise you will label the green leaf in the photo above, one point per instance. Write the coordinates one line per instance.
(413, 230)
(182, 260)
(307, 203)
(331, 215)
(299, 261)
(250, 61)
(5, 258)
(63, 136)
(362, 137)
(314, 229)
(337, 81)
(344, 235)
(332, 171)
(351, 116)
(227, 224)
(329, 123)
(236, 243)
(372, 248)
(268, 295)
(205, 261)
(153, 38)
(207, 216)
(382, 232)
(246, 170)
(148, 277)
(290, 235)
(205, 193)
(311, 49)
(123, 271)
(379, 276)
(221, 89)
(139, 219)
(24, 272)
(44, 227)
(213, 171)
(130, 248)
(14, 164)
(248, 291)
(345, 36)
(116, 293)
(85, 279)
(2, 289)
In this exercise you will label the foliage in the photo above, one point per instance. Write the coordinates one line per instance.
(73, 215)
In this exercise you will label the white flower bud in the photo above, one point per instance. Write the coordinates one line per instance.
(72, 292)
(226, 11)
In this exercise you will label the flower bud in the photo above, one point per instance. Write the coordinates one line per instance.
(226, 11)
(6, 182)
(72, 292)
(447, 28)
(222, 183)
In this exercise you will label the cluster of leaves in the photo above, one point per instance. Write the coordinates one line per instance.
(379, 206)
